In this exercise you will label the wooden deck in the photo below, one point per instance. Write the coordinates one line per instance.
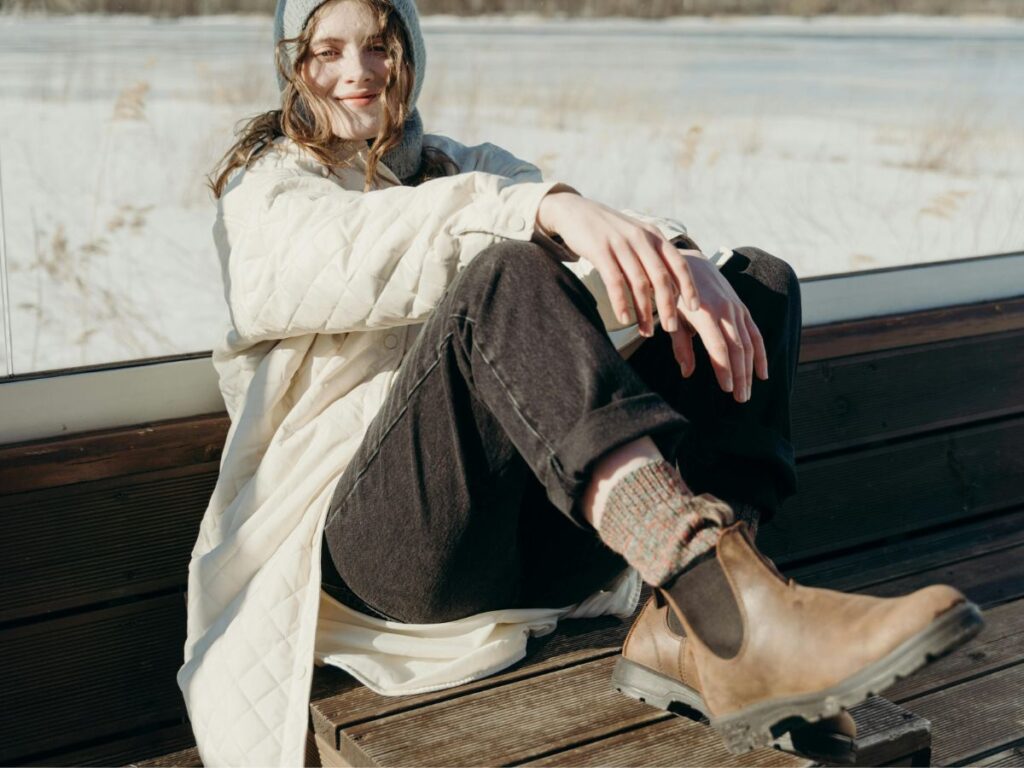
(909, 438)
(557, 708)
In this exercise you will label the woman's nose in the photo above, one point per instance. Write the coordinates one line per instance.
(356, 68)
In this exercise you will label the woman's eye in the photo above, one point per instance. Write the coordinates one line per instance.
(380, 47)
(326, 54)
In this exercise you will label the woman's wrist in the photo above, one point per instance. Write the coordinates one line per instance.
(548, 211)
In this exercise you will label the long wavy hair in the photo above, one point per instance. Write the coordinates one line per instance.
(305, 117)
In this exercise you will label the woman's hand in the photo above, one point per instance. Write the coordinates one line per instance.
(633, 258)
(733, 342)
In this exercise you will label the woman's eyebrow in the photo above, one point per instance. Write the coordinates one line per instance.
(335, 40)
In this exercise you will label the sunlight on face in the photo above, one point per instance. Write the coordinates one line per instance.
(348, 61)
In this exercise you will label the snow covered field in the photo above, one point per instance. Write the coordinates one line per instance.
(839, 144)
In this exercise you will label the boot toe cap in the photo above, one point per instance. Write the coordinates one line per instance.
(935, 600)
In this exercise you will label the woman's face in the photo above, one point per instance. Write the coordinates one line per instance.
(347, 61)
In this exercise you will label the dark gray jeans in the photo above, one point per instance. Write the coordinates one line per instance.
(462, 497)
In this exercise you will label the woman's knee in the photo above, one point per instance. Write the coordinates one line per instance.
(770, 271)
(508, 258)
(521, 271)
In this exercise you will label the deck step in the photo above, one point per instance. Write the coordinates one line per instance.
(572, 716)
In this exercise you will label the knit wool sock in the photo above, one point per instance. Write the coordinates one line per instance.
(656, 526)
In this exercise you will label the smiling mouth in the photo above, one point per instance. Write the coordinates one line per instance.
(360, 101)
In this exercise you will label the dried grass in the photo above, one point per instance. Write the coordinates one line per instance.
(583, 8)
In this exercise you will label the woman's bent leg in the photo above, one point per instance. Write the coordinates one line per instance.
(740, 452)
(512, 375)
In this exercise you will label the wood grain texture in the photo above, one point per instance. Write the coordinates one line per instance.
(329, 756)
(161, 739)
(184, 758)
(111, 453)
(999, 645)
(505, 725)
(893, 560)
(88, 676)
(852, 401)
(891, 331)
(339, 701)
(1008, 758)
(673, 741)
(887, 732)
(898, 571)
(975, 716)
(908, 486)
(189, 758)
(987, 580)
(79, 545)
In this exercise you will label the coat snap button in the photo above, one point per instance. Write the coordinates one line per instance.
(391, 341)
(517, 222)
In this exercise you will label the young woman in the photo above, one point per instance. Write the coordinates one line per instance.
(436, 450)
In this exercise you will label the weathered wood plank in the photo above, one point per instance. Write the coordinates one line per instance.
(987, 580)
(971, 707)
(670, 742)
(554, 717)
(999, 645)
(329, 756)
(189, 758)
(83, 544)
(505, 725)
(339, 701)
(111, 453)
(903, 567)
(1008, 758)
(839, 404)
(975, 716)
(853, 500)
(859, 570)
(185, 758)
(885, 733)
(121, 751)
(891, 331)
(89, 676)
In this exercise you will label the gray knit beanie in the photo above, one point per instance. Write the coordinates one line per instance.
(404, 158)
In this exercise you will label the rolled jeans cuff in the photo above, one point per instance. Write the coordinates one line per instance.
(604, 429)
(740, 463)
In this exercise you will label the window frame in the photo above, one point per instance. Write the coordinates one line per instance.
(63, 402)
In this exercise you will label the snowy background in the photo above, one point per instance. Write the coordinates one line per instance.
(837, 143)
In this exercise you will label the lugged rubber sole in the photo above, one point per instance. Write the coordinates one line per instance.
(759, 724)
(643, 684)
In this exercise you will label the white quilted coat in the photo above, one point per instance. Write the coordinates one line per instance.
(327, 286)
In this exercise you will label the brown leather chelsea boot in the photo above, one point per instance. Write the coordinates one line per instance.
(803, 653)
(662, 659)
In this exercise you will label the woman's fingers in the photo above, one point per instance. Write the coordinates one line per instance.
(717, 348)
(747, 371)
(616, 285)
(737, 354)
(639, 284)
(680, 269)
(760, 355)
(682, 348)
(663, 281)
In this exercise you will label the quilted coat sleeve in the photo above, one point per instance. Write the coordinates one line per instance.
(307, 255)
(494, 159)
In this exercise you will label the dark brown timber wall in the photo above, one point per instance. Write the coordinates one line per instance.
(902, 424)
